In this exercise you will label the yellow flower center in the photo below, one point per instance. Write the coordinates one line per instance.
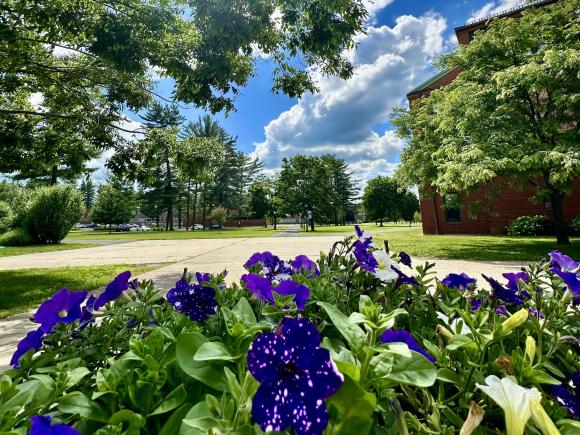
(381, 265)
(62, 314)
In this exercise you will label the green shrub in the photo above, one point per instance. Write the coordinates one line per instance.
(16, 237)
(530, 226)
(6, 217)
(574, 226)
(53, 212)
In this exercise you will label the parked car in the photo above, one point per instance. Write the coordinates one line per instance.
(197, 227)
(122, 228)
(216, 227)
(141, 228)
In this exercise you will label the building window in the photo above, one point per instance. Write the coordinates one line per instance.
(452, 207)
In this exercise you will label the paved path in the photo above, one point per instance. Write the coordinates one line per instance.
(203, 255)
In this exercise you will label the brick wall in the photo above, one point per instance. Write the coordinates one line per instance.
(498, 206)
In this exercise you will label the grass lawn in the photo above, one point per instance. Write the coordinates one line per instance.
(23, 289)
(464, 247)
(173, 235)
(8, 251)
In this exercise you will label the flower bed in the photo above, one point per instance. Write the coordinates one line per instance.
(357, 342)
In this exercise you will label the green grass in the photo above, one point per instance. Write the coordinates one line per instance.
(349, 229)
(8, 251)
(174, 235)
(492, 248)
(23, 289)
(463, 247)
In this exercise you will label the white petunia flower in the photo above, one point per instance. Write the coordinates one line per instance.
(514, 399)
(384, 272)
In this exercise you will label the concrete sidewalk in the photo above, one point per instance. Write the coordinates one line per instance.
(197, 255)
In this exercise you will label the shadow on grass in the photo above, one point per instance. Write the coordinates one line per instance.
(23, 289)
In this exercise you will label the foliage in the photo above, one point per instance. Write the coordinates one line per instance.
(260, 193)
(113, 206)
(530, 226)
(53, 212)
(218, 216)
(6, 217)
(575, 226)
(92, 64)
(511, 111)
(16, 237)
(18, 199)
(87, 189)
(385, 200)
(404, 355)
(321, 184)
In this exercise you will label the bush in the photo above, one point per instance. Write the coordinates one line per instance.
(53, 212)
(6, 217)
(530, 226)
(574, 226)
(16, 237)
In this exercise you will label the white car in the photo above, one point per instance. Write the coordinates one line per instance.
(197, 227)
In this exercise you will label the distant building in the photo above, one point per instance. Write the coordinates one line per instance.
(448, 215)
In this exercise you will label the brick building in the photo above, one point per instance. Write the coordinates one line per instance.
(503, 201)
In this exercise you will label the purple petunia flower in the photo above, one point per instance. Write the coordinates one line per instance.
(32, 341)
(459, 281)
(88, 311)
(296, 376)
(63, 307)
(563, 262)
(537, 314)
(202, 277)
(572, 281)
(568, 394)
(502, 293)
(405, 259)
(403, 278)
(272, 266)
(134, 284)
(364, 237)
(113, 290)
(403, 336)
(193, 300)
(364, 257)
(264, 289)
(303, 263)
(502, 311)
(476, 304)
(42, 425)
(514, 278)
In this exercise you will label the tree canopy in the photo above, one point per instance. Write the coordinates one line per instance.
(91, 61)
(385, 200)
(512, 111)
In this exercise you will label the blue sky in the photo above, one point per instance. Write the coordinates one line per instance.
(350, 118)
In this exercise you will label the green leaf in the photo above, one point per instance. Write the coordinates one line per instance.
(541, 377)
(25, 394)
(79, 404)
(134, 421)
(210, 374)
(172, 401)
(213, 351)
(447, 375)
(244, 311)
(174, 422)
(351, 409)
(459, 341)
(416, 370)
(75, 376)
(198, 420)
(351, 332)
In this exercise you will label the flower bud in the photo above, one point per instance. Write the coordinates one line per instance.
(541, 418)
(530, 348)
(513, 322)
(442, 330)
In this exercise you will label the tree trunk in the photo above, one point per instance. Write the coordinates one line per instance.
(194, 204)
(54, 175)
(312, 224)
(204, 208)
(557, 199)
(188, 202)
(275, 222)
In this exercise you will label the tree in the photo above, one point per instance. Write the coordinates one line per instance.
(343, 188)
(95, 57)
(260, 201)
(511, 112)
(382, 200)
(218, 216)
(245, 171)
(87, 189)
(113, 206)
(409, 206)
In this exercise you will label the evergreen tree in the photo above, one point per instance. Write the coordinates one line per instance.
(87, 189)
(113, 206)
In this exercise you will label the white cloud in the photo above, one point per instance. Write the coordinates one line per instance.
(340, 118)
(493, 8)
(36, 99)
(375, 6)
